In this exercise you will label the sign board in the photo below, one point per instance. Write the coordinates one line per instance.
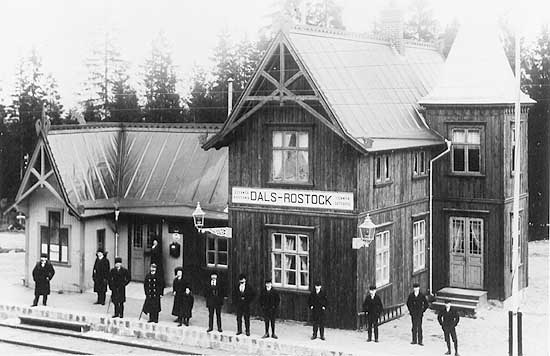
(315, 199)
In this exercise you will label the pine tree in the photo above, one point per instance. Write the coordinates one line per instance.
(124, 107)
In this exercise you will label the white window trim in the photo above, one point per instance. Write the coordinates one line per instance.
(380, 250)
(420, 238)
(385, 165)
(297, 149)
(283, 252)
(216, 252)
(466, 147)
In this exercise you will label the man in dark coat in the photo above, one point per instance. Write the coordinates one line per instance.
(448, 319)
(417, 305)
(100, 276)
(156, 258)
(244, 295)
(214, 302)
(372, 305)
(318, 305)
(119, 277)
(154, 290)
(42, 274)
(269, 302)
(178, 289)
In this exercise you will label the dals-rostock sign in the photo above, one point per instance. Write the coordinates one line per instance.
(293, 198)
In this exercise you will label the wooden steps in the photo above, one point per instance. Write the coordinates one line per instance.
(466, 301)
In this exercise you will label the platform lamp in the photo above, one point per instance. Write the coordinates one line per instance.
(198, 221)
(198, 217)
(20, 217)
(367, 230)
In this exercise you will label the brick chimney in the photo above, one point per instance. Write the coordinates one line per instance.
(392, 26)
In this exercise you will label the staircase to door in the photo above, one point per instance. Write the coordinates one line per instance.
(466, 301)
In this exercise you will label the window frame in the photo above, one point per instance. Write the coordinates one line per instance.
(419, 238)
(380, 250)
(513, 147)
(101, 235)
(382, 169)
(467, 240)
(417, 172)
(297, 128)
(467, 146)
(297, 253)
(216, 251)
(67, 228)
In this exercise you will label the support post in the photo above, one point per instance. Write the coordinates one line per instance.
(520, 341)
(510, 333)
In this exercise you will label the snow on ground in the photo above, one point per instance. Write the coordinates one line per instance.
(12, 240)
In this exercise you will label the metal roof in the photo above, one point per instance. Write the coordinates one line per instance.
(477, 70)
(139, 167)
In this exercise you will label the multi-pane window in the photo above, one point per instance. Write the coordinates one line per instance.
(520, 250)
(419, 163)
(152, 231)
(54, 238)
(382, 240)
(216, 251)
(138, 235)
(382, 168)
(100, 235)
(466, 235)
(419, 245)
(466, 152)
(290, 160)
(290, 260)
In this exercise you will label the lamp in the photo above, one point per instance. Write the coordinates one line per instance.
(198, 217)
(20, 216)
(366, 233)
(198, 220)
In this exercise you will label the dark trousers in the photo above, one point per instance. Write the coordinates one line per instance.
(218, 311)
(44, 299)
(417, 328)
(101, 297)
(269, 318)
(119, 309)
(243, 312)
(319, 322)
(451, 334)
(372, 323)
(154, 317)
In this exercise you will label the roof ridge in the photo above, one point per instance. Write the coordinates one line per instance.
(147, 125)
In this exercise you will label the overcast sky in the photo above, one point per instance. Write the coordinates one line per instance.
(64, 31)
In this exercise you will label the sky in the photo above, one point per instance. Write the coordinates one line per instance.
(65, 31)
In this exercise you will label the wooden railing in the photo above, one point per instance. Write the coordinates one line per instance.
(390, 313)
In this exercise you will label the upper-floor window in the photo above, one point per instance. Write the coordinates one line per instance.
(382, 241)
(419, 163)
(290, 157)
(382, 168)
(466, 150)
(290, 260)
(54, 238)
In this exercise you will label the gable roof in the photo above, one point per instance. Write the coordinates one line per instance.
(476, 70)
(369, 88)
(157, 169)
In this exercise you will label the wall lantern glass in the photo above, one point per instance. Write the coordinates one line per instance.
(367, 230)
(198, 216)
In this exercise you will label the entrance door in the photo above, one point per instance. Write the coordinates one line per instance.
(138, 252)
(466, 252)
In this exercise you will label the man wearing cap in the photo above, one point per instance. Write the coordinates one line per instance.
(244, 295)
(372, 305)
(100, 275)
(448, 319)
(119, 277)
(269, 302)
(214, 302)
(42, 274)
(318, 305)
(417, 305)
(154, 290)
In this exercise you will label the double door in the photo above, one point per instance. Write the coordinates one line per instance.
(466, 252)
(142, 235)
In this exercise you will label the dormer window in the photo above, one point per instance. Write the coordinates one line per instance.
(466, 150)
(290, 157)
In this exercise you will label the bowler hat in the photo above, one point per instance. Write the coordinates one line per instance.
(416, 285)
(45, 255)
(372, 287)
(118, 260)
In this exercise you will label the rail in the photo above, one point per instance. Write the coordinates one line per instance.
(390, 313)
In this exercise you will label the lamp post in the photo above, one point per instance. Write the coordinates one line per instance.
(117, 213)
(366, 233)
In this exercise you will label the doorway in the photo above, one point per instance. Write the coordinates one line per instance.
(142, 233)
(466, 252)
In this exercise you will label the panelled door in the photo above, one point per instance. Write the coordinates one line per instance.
(466, 252)
(141, 238)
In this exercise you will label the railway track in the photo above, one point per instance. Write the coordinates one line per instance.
(73, 343)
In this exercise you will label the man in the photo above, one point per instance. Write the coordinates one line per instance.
(119, 277)
(318, 305)
(214, 302)
(100, 275)
(372, 305)
(154, 290)
(448, 319)
(417, 305)
(156, 258)
(269, 302)
(244, 294)
(42, 274)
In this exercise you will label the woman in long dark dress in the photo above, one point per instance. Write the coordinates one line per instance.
(178, 286)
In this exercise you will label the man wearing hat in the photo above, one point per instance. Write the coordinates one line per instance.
(448, 319)
(154, 289)
(100, 276)
(42, 274)
(269, 302)
(417, 305)
(318, 305)
(372, 305)
(119, 277)
(214, 302)
(244, 295)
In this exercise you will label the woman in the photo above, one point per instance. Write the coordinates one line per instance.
(179, 285)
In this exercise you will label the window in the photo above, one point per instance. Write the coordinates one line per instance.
(290, 260)
(382, 241)
(216, 251)
(466, 235)
(419, 163)
(54, 238)
(138, 235)
(466, 154)
(382, 169)
(513, 147)
(152, 231)
(419, 245)
(100, 234)
(290, 160)
(520, 248)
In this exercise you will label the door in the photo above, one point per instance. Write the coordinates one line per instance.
(138, 252)
(466, 252)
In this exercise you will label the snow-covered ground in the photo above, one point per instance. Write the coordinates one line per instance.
(12, 240)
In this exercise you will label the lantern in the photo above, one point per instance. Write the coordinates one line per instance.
(367, 230)
(198, 217)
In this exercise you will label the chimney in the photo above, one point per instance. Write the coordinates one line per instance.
(229, 96)
(392, 26)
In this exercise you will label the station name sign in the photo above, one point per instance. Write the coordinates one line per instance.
(293, 198)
